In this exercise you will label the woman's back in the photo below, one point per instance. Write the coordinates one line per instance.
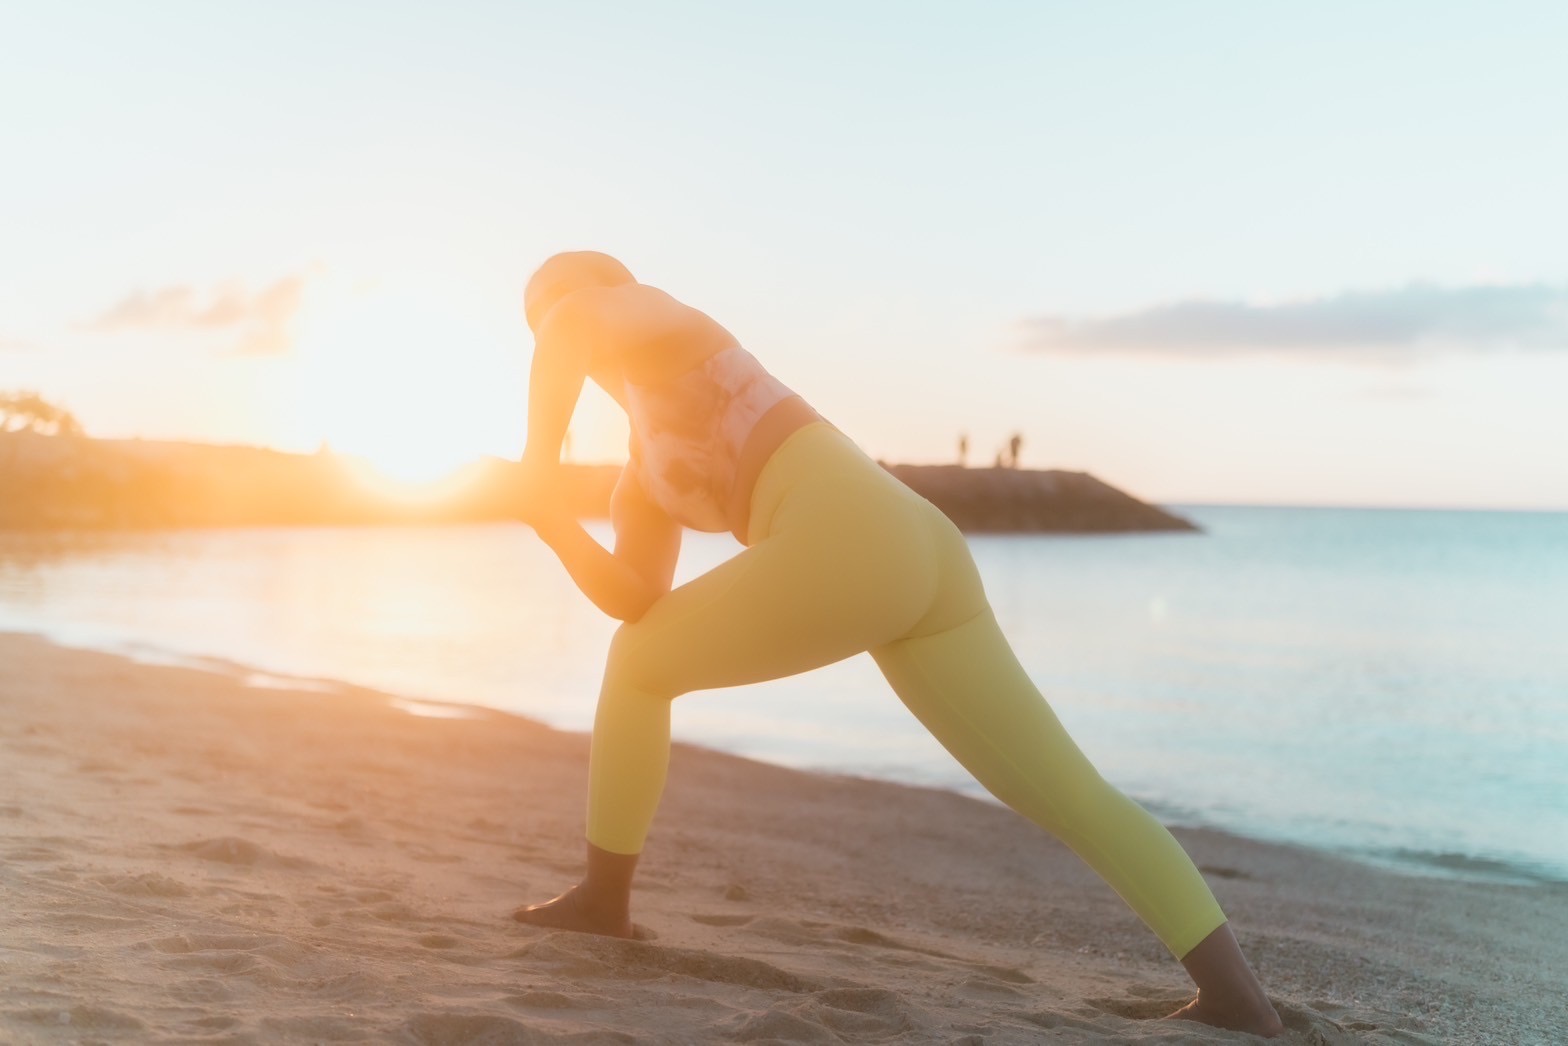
(636, 332)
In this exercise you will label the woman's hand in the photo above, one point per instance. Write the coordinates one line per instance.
(624, 582)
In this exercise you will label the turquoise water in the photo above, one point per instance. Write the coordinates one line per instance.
(1390, 684)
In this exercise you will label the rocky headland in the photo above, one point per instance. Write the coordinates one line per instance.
(63, 481)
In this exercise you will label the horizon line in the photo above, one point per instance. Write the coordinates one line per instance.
(1172, 502)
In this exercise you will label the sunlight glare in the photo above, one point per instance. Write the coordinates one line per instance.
(409, 380)
(410, 488)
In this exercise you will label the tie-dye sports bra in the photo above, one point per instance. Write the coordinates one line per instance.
(687, 434)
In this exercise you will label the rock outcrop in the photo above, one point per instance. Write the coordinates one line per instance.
(1020, 501)
(74, 482)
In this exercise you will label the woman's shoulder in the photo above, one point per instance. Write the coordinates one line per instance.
(647, 334)
(611, 324)
(668, 338)
(625, 303)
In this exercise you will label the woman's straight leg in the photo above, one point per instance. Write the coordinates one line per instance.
(966, 685)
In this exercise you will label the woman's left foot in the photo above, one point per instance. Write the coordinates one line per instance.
(574, 911)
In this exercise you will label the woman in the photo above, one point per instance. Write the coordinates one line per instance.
(840, 558)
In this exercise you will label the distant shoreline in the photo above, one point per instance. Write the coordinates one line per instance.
(63, 482)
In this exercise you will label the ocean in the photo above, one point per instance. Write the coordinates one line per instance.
(1387, 684)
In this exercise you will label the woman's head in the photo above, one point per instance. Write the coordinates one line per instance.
(561, 274)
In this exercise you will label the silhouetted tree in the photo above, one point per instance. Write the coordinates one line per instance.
(963, 448)
(30, 412)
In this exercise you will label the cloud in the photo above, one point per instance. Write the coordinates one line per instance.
(1422, 317)
(14, 344)
(260, 320)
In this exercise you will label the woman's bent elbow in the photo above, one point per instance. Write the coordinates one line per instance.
(637, 606)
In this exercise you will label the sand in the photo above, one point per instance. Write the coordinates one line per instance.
(185, 858)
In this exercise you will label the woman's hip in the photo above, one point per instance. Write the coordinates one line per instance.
(820, 487)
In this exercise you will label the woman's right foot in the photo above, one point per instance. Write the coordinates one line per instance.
(574, 910)
(1265, 1023)
(1229, 995)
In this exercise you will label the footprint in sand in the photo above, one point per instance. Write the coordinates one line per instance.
(1322, 1030)
(779, 1025)
(1151, 1003)
(859, 944)
(397, 912)
(239, 852)
(320, 1029)
(1332, 1010)
(985, 973)
(579, 955)
(212, 1025)
(421, 852)
(79, 922)
(441, 941)
(834, 1015)
(203, 991)
(352, 828)
(80, 1019)
(266, 959)
(721, 920)
(185, 944)
(847, 939)
(1057, 1021)
(30, 854)
(548, 1000)
(986, 986)
(438, 1029)
(147, 884)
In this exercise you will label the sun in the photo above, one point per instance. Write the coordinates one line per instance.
(409, 381)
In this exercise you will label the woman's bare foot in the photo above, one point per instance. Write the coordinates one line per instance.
(600, 904)
(1267, 1024)
(1229, 995)
(573, 910)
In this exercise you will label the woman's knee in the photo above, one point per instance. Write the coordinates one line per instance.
(634, 664)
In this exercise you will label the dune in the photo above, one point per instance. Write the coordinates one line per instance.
(185, 858)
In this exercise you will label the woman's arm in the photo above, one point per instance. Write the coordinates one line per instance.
(626, 582)
(574, 337)
(562, 359)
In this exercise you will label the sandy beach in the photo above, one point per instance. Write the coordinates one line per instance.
(186, 858)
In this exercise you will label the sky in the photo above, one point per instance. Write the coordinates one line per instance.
(1208, 252)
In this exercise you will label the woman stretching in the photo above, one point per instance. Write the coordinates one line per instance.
(840, 558)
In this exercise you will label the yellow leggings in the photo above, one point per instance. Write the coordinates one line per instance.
(842, 558)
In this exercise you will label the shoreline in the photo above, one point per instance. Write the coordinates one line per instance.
(183, 856)
(1455, 866)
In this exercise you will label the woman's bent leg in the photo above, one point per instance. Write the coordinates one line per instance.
(833, 585)
(966, 685)
(840, 564)
(796, 601)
